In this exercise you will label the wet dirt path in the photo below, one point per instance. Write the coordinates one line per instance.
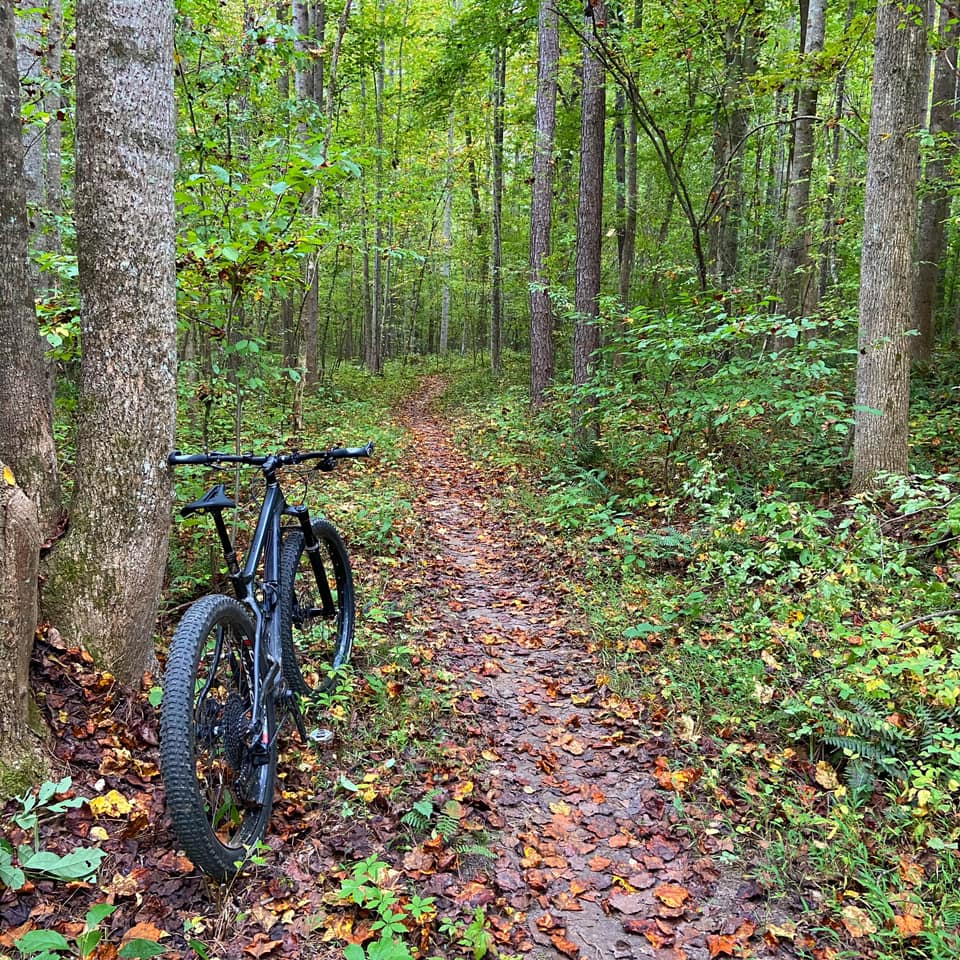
(596, 858)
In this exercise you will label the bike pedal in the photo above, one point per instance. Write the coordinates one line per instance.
(321, 736)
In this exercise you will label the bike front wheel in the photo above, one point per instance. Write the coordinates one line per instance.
(316, 610)
(218, 773)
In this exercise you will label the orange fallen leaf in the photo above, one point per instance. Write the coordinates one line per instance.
(908, 925)
(144, 931)
(567, 947)
(598, 863)
(672, 894)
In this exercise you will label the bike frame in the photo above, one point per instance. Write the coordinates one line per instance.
(262, 597)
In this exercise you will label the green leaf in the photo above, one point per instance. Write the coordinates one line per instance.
(77, 865)
(98, 913)
(280, 187)
(643, 629)
(37, 940)
(87, 942)
(347, 784)
(220, 173)
(142, 948)
(230, 253)
(354, 952)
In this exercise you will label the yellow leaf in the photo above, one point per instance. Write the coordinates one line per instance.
(8, 478)
(826, 776)
(561, 808)
(112, 804)
(857, 921)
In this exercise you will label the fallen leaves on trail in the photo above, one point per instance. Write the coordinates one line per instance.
(731, 944)
(857, 921)
(672, 894)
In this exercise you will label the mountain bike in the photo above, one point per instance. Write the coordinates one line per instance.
(238, 666)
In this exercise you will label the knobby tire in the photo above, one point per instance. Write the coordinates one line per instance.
(219, 791)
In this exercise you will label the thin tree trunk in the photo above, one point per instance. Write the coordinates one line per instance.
(26, 410)
(935, 206)
(496, 292)
(797, 289)
(586, 337)
(447, 244)
(542, 359)
(886, 265)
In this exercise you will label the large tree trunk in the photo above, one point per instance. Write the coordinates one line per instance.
(935, 206)
(29, 494)
(586, 336)
(886, 265)
(542, 359)
(106, 575)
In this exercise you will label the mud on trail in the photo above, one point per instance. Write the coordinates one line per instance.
(601, 854)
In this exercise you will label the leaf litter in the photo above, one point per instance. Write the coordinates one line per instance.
(603, 847)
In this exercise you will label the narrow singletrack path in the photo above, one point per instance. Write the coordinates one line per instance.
(596, 858)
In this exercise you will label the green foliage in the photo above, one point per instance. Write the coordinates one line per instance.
(47, 802)
(51, 945)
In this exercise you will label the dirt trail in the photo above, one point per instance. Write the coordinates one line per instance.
(591, 847)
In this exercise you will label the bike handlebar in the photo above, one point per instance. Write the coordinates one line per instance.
(217, 457)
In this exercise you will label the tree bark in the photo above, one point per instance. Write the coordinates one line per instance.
(586, 336)
(26, 408)
(496, 259)
(542, 358)
(29, 494)
(445, 268)
(105, 576)
(21, 761)
(886, 266)
(935, 205)
(797, 289)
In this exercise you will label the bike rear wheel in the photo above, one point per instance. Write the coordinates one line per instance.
(219, 786)
(316, 612)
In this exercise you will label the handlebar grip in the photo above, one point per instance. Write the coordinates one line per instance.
(342, 453)
(176, 458)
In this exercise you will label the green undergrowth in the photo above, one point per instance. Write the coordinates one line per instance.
(802, 648)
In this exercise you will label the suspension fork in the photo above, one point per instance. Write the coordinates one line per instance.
(316, 560)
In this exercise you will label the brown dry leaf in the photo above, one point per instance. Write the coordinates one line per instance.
(783, 931)
(672, 894)
(910, 871)
(8, 936)
(598, 864)
(547, 921)
(857, 921)
(572, 745)
(722, 945)
(908, 925)
(261, 945)
(418, 860)
(563, 901)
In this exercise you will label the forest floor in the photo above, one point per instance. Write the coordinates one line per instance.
(592, 838)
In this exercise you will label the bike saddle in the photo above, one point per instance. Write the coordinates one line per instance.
(214, 499)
